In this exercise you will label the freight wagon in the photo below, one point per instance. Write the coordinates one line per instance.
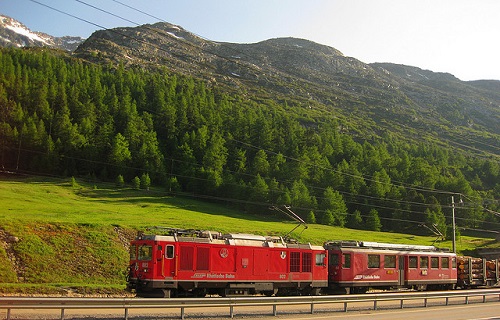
(478, 272)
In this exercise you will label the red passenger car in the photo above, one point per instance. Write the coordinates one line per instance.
(357, 266)
(198, 263)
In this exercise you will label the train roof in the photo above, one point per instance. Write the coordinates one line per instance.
(240, 239)
(381, 246)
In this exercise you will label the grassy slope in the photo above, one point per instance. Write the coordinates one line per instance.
(76, 235)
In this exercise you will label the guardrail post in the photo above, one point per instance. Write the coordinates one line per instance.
(484, 298)
(447, 300)
(401, 304)
(182, 313)
(126, 313)
(467, 300)
(375, 305)
(8, 314)
(62, 313)
(312, 308)
(275, 312)
(345, 306)
(425, 302)
(231, 312)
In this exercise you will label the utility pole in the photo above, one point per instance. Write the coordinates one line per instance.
(453, 224)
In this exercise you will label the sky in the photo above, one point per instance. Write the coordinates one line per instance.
(461, 37)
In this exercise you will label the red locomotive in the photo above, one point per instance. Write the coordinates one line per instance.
(195, 263)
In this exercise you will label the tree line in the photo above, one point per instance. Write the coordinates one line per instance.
(62, 116)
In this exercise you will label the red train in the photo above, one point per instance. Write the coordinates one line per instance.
(196, 263)
(357, 266)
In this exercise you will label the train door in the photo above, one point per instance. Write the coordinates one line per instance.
(260, 268)
(164, 263)
(159, 263)
(401, 268)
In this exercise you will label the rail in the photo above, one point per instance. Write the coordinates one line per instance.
(62, 304)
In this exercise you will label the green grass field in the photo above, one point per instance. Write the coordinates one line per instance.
(75, 235)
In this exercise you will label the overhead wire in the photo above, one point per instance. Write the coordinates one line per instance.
(125, 19)
(263, 205)
(268, 151)
(188, 43)
(128, 20)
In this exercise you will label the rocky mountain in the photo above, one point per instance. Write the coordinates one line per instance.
(369, 98)
(15, 34)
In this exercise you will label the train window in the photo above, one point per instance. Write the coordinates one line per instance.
(347, 261)
(434, 262)
(390, 261)
(445, 262)
(306, 262)
(320, 259)
(424, 262)
(454, 263)
(169, 252)
(373, 261)
(294, 261)
(412, 262)
(145, 253)
(333, 260)
(133, 252)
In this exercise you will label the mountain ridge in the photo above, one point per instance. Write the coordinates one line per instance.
(15, 34)
(374, 97)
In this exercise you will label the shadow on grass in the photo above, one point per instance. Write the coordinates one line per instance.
(109, 193)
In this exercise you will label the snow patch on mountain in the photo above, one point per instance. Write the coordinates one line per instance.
(21, 29)
(15, 34)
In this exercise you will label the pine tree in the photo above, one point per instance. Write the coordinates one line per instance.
(333, 202)
(373, 221)
(354, 220)
(136, 183)
(311, 218)
(327, 218)
(145, 181)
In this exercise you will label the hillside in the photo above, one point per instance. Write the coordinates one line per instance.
(371, 99)
(409, 101)
(63, 116)
(63, 237)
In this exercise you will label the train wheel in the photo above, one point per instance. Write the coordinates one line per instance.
(359, 290)
(166, 293)
(420, 287)
(315, 291)
(157, 293)
(270, 293)
(234, 292)
(282, 292)
(199, 293)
